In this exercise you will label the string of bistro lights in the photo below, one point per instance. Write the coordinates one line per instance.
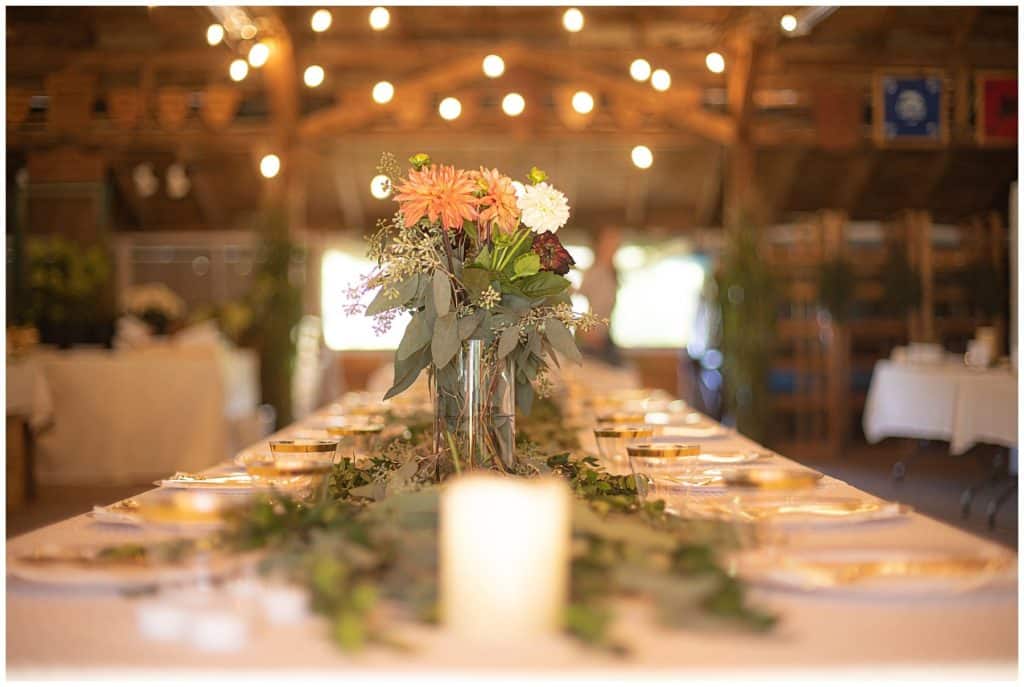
(450, 108)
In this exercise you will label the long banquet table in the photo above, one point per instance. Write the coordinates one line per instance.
(86, 632)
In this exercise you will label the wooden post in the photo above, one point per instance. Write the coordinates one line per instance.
(923, 225)
(838, 337)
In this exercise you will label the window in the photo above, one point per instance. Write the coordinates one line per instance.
(659, 291)
(339, 271)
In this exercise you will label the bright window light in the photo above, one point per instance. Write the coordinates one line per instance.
(657, 301)
(340, 270)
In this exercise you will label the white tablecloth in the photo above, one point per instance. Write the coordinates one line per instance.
(944, 401)
(125, 417)
(28, 395)
(971, 633)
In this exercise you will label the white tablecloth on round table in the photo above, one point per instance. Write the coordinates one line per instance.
(125, 417)
(28, 396)
(944, 401)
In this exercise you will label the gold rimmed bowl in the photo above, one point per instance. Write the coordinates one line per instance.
(612, 441)
(356, 441)
(651, 457)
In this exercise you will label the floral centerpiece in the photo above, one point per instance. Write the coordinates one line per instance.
(474, 258)
(155, 304)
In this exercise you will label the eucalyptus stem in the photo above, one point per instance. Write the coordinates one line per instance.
(454, 450)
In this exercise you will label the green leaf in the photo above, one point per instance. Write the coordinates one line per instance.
(406, 371)
(526, 265)
(417, 335)
(468, 325)
(406, 292)
(445, 343)
(542, 284)
(476, 280)
(561, 339)
(442, 293)
(508, 341)
(483, 258)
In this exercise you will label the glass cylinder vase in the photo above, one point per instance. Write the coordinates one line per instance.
(475, 409)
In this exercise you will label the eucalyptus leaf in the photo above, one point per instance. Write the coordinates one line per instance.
(406, 371)
(561, 339)
(542, 284)
(508, 341)
(524, 397)
(417, 335)
(468, 325)
(446, 342)
(442, 293)
(476, 280)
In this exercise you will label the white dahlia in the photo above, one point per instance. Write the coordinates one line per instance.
(543, 207)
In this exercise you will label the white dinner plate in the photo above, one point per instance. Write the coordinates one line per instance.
(234, 481)
(882, 572)
(803, 510)
(123, 576)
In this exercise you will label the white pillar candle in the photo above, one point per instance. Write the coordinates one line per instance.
(285, 604)
(504, 559)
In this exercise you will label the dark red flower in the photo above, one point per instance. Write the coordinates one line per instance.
(553, 255)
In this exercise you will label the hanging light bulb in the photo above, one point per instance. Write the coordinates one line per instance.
(642, 157)
(270, 165)
(248, 31)
(788, 23)
(320, 21)
(380, 187)
(715, 62)
(661, 80)
(494, 66)
(450, 108)
(214, 34)
(238, 70)
(259, 54)
(383, 92)
(313, 76)
(572, 20)
(582, 102)
(513, 104)
(379, 18)
(640, 69)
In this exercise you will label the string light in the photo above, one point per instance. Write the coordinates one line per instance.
(572, 20)
(214, 34)
(383, 92)
(715, 62)
(582, 102)
(238, 70)
(788, 23)
(640, 69)
(661, 80)
(248, 31)
(494, 66)
(320, 21)
(642, 157)
(259, 54)
(379, 18)
(513, 104)
(450, 108)
(270, 165)
(313, 76)
(380, 187)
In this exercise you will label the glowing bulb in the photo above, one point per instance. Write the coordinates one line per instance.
(494, 66)
(661, 80)
(259, 54)
(313, 76)
(248, 31)
(788, 23)
(383, 92)
(582, 102)
(380, 187)
(572, 20)
(642, 157)
(270, 165)
(320, 21)
(450, 108)
(513, 104)
(379, 18)
(640, 69)
(238, 70)
(214, 34)
(715, 62)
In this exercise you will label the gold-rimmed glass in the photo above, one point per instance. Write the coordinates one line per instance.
(356, 441)
(612, 441)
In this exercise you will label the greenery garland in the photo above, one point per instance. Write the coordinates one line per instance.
(369, 551)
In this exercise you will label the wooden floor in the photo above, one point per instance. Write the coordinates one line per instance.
(933, 485)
